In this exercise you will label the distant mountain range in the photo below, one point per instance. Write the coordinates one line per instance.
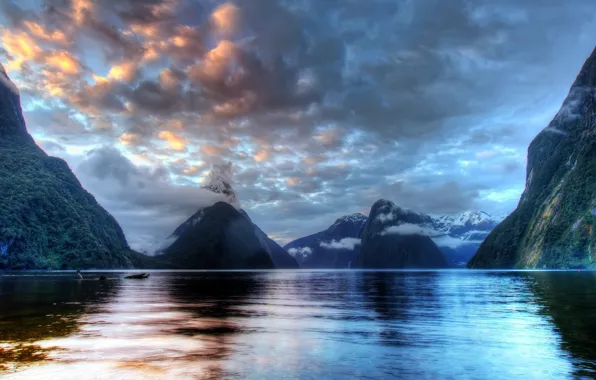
(458, 237)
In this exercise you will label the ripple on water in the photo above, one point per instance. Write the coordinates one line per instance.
(301, 324)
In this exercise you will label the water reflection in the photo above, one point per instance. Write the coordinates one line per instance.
(569, 300)
(300, 324)
(39, 307)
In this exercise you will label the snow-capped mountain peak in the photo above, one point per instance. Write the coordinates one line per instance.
(352, 218)
(471, 217)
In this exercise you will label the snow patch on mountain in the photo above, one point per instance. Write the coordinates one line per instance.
(352, 218)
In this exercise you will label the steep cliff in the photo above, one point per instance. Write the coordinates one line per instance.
(554, 225)
(47, 219)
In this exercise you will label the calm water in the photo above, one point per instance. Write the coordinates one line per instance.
(300, 324)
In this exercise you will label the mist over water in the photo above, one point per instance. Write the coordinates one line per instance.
(299, 324)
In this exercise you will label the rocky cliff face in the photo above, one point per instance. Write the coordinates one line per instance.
(554, 225)
(393, 238)
(331, 248)
(217, 237)
(47, 220)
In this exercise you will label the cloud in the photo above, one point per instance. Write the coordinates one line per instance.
(300, 251)
(449, 197)
(451, 242)
(143, 199)
(322, 106)
(409, 229)
(175, 142)
(345, 243)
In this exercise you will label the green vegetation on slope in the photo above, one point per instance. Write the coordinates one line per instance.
(553, 225)
(47, 220)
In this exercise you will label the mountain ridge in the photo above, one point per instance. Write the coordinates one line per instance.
(458, 236)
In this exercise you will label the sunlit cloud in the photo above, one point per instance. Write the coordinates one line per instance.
(305, 99)
(226, 19)
(261, 156)
(175, 142)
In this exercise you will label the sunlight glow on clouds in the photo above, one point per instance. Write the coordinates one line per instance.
(319, 112)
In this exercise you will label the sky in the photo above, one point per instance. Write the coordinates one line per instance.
(318, 108)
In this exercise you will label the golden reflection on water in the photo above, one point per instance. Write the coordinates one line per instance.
(135, 334)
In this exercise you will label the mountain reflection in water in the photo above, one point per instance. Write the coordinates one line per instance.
(299, 324)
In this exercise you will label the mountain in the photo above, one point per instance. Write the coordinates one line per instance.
(396, 238)
(459, 236)
(223, 236)
(47, 219)
(554, 223)
(280, 257)
(331, 248)
(217, 237)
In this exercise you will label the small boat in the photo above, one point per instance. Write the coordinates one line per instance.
(137, 276)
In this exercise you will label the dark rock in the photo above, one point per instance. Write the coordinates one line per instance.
(319, 251)
(217, 237)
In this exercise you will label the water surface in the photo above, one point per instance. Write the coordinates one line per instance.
(299, 325)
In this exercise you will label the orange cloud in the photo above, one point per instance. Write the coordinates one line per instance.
(216, 61)
(80, 10)
(21, 46)
(226, 19)
(169, 80)
(64, 62)
(129, 139)
(292, 181)
(261, 156)
(235, 107)
(192, 170)
(145, 30)
(39, 31)
(150, 54)
(124, 71)
(175, 142)
(211, 150)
